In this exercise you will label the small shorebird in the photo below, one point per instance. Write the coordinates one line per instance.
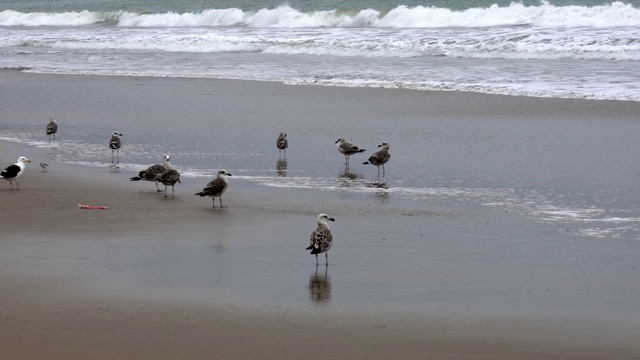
(347, 149)
(12, 172)
(114, 145)
(52, 128)
(44, 167)
(321, 238)
(282, 143)
(169, 177)
(216, 187)
(380, 157)
(150, 173)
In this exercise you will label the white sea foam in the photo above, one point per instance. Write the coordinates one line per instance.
(615, 14)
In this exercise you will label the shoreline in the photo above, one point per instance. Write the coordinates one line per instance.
(154, 278)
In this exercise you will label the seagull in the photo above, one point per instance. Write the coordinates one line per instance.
(169, 177)
(44, 167)
(12, 172)
(52, 128)
(380, 157)
(347, 149)
(282, 143)
(321, 238)
(216, 187)
(114, 144)
(150, 173)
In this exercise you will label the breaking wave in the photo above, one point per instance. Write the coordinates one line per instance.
(615, 14)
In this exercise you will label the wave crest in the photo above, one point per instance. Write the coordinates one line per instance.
(616, 14)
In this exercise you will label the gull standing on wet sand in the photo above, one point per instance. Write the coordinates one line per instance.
(216, 187)
(380, 157)
(169, 177)
(347, 149)
(282, 143)
(114, 145)
(12, 172)
(52, 128)
(150, 173)
(321, 238)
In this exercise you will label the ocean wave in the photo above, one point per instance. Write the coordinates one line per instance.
(615, 14)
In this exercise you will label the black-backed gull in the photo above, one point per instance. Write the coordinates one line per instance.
(216, 187)
(12, 172)
(321, 238)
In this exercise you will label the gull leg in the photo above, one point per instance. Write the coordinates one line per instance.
(165, 191)
(316, 260)
(326, 259)
(383, 174)
(214, 202)
(173, 191)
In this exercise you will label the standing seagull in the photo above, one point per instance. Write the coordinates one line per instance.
(52, 128)
(114, 145)
(321, 238)
(380, 157)
(216, 187)
(282, 143)
(150, 173)
(347, 149)
(169, 177)
(13, 172)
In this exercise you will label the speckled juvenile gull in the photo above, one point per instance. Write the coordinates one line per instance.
(114, 145)
(12, 172)
(380, 157)
(150, 173)
(169, 177)
(44, 166)
(321, 238)
(347, 149)
(282, 143)
(52, 128)
(216, 187)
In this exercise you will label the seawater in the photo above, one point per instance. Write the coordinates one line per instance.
(561, 49)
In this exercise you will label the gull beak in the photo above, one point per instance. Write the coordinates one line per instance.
(28, 160)
(332, 219)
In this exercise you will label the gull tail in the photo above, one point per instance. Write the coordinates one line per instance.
(135, 178)
(365, 163)
(200, 193)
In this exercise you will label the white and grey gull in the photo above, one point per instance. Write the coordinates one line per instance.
(150, 173)
(380, 157)
(321, 238)
(216, 187)
(114, 145)
(347, 149)
(12, 172)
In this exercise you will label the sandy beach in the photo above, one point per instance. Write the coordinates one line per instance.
(166, 278)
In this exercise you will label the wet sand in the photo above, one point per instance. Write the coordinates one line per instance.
(156, 278)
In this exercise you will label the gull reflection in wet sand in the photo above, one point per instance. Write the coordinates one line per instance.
(320, 287)
(281, 167)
